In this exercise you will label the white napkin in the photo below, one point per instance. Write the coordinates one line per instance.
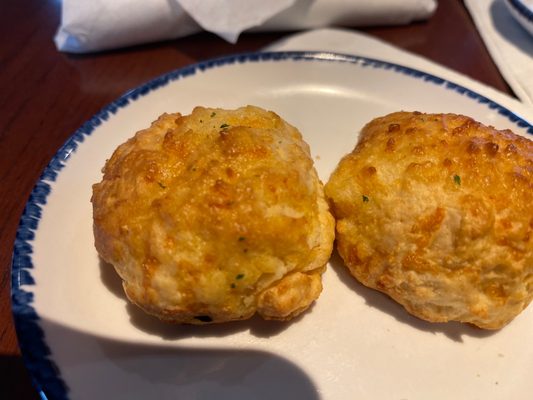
(510, 46)
(352, 42)
(93, 25)
(228, 18)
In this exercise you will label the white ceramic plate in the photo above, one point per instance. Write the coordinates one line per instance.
(522, 11)
(82, 340)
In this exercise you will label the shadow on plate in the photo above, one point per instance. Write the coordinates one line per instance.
(93, 367)
(168, 331)
(453, 330)
(510, 29)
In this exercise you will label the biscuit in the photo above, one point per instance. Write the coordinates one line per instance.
(436, 211)
(214, 217)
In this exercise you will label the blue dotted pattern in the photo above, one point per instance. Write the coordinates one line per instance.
(522, 9)
(36, 353)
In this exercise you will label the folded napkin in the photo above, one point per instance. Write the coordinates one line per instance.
(353, 42)
(95, 25)
(509, 44)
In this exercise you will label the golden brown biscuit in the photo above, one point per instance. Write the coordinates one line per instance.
(214, 216)
(436, 210)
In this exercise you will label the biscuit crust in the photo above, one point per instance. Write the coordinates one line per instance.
(435, 210)
(215, 216)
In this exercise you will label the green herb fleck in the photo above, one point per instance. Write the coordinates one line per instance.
(242, 238)
(224, 126)
(365, 199)
(239, 276)
(233, 286)
(161, 185)
(457, 179)
(213, 114)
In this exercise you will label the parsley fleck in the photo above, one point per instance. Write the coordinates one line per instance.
(239, 276)
(365, 199)
(213, 114)
(233, 286)
(161, 185)
(241, 238)
(224, 126)
(457, 179)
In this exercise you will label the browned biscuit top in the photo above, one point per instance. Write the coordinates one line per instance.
(436, 211)
(207, 217)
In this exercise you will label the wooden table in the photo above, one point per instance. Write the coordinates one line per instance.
(45, 95)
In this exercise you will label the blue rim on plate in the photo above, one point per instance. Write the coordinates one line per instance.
(522, 9)
(37, 355)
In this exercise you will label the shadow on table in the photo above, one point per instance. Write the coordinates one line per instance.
(15, 382)
(373, 298)
(510, 29)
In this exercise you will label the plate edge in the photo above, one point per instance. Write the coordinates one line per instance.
(44, 372)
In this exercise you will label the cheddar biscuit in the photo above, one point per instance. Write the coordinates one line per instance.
(436, 210)
(215, 216)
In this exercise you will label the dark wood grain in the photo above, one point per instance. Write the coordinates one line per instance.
(45, 95)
